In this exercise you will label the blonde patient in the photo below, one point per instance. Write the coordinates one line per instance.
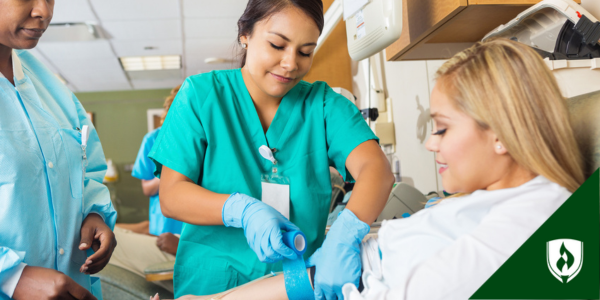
(503, 140)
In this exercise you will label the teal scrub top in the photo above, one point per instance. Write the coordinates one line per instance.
(143, 169)
(212, 134)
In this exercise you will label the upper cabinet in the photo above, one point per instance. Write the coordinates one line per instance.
(438, 29)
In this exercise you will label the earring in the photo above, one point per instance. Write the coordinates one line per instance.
(244, 45)
(499, 146)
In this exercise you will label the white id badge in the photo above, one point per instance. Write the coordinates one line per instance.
(276, 193)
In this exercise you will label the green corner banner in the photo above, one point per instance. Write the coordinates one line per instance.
(561, 260)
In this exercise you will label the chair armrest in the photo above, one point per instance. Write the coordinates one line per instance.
(160, 271)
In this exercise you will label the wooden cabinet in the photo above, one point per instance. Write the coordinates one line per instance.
(332, 63)
(438, 29)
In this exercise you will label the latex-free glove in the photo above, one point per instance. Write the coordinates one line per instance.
(262, 226)
(338, 260)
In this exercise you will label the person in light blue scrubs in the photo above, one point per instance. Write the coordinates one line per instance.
(143, 169)
(54, 209)
(212, 172)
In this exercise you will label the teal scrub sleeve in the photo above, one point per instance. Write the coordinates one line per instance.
(11, 268)
(345, 130)
(143, 168)
(181, 143)
(96, 198)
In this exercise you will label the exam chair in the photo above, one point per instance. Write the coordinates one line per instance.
(585, 119)
(121, 284)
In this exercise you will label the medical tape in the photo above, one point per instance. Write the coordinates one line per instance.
(297, 284)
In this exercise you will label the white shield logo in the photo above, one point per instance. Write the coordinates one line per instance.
(564, 258)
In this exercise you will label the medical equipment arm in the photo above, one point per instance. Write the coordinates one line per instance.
(338, 260)
(11, 268)
(96, 198)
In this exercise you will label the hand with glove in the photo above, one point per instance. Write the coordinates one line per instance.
(262, 226)
(338, 262)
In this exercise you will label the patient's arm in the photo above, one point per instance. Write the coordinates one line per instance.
(272, 288)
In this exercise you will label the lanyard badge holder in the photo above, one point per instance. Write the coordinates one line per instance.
(275, 187)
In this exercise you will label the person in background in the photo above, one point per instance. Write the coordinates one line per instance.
(154, 241)
(503, 142)
(54, 209)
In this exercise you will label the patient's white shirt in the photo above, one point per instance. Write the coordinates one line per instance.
(449, 250)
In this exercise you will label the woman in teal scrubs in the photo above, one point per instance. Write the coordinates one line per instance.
(207, 155)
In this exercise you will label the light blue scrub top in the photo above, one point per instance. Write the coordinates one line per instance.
(212, 134)
(46, 186)
(143, 169)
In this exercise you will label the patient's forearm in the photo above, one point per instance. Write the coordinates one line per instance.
(272, 288)
(267, 289)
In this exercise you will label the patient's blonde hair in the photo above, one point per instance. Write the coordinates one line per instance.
(506, 87)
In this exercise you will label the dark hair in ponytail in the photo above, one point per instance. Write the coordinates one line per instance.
(257, 10)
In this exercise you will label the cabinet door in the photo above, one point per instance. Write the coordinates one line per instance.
(438, 29)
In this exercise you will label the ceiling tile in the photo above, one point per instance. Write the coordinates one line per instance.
(200, 49)
(114, 10)
(137, 48)
(73, 11)
(37, 54)
(211, 28)
(143, 30)
(93, 65)
(156, 84)
(76, 50)
(213, 8)
(98, 80)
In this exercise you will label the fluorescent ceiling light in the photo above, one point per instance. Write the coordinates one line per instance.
(72, 32)
(146, 63)
(218, 60)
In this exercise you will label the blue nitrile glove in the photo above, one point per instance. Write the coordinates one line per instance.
(262, 226)
(338, 260)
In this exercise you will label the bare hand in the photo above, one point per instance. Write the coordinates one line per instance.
(97, 235)
(41, 283)
(167, 242)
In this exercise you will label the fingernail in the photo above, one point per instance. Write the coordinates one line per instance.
(88, 262)
(85, 269)
(83, 245)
